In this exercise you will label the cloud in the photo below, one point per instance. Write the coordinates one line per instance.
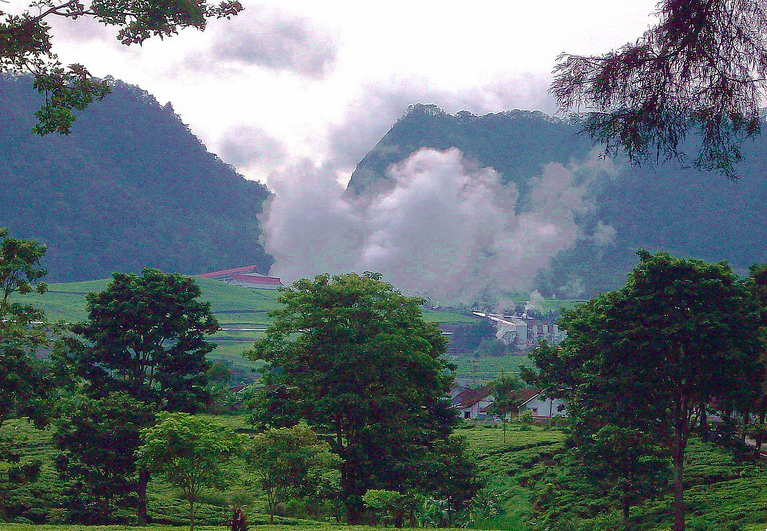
(446, 227)
(244, 146)
(272, 39)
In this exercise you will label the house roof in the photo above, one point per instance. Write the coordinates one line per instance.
(469, 397)
(523, 396)
(256, 279)
(229, 272)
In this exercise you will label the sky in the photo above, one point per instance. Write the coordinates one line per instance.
(290, 83)
(294, 94)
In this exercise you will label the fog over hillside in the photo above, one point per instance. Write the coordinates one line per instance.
(444, 225)
(462, 205)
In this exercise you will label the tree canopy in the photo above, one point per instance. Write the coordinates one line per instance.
(289, 462)
(702, 69)
(648, 358)
(26, 45)
(144, 340)
(356, 360)
(190, 452)
(24, 386)
(146, 337)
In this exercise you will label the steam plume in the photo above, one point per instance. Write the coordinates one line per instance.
(444, 227)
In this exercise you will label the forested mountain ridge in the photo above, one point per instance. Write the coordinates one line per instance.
(130, 187)
(656, 207)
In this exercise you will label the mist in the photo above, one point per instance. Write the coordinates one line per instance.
(443, 228)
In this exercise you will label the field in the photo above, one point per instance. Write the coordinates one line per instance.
(243, 315)
(724, 490)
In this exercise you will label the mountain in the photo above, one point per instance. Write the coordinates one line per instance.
(130, 187)
(655, 207)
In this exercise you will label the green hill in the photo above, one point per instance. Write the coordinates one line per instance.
(663, 207)
(130, 187)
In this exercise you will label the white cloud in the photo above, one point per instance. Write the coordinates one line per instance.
(445, 226)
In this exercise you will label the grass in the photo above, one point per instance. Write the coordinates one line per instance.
(242, 308)
(301, 526)
(480, 370)
(723, 489)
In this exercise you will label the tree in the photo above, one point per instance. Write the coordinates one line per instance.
(505, 402)
(677, 335)
(190, 452)
(701, 69)
(357, 361)
(24, 387)
(145, 338)
(289, 463)
(26, 46)
(99, 437)
(26, 384)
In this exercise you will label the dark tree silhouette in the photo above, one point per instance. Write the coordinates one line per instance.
(26, 47)
(689, 89)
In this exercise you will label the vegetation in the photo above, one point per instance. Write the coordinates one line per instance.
(291, 463)
(701, 69)
(354, 359)
(640, 365)
(25, 46)
(190, 452)
(146, 193)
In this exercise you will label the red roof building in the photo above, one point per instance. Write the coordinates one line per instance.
(246, 277)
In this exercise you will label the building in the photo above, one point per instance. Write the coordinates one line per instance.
(246, 277)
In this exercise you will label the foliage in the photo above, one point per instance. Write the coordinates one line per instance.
(131, 187)
(189, 452)
(290, 463)
(146, 337)
(26, 47)
(390, 506)
(702, 68)
(98, 438)
(645, 360)
(356, 360)
(23, 385)
(505, 403)
(26, 383)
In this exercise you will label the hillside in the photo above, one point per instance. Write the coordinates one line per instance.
(130, 187)
(242, 314)
(665, 207)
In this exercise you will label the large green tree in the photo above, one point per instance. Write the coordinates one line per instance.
(144, 338)
(23, 385)
(355, 359)
(702, 69)
(26, 45)
(100, 437)
(679, 334)
(26, 383)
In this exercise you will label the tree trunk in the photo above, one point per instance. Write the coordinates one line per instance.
(191, 514)
(626, 513)
(143, 481)
(704, 429)
(678, 459)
